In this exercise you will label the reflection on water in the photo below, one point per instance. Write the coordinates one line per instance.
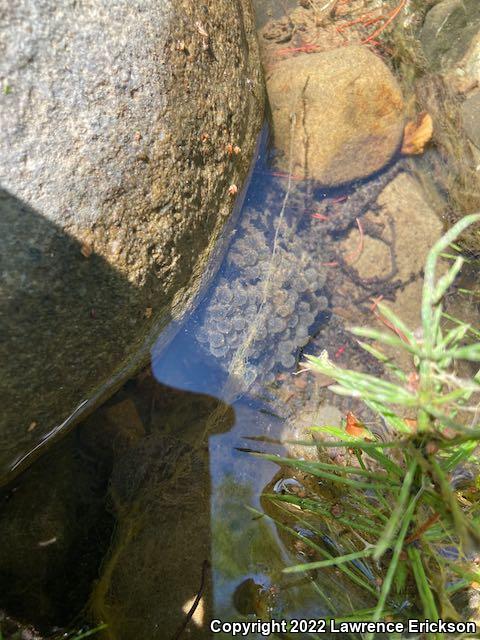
(243, 340)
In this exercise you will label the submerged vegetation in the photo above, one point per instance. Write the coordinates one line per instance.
(410, 515)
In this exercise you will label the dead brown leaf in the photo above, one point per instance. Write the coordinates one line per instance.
(417, 134)
(354, 427)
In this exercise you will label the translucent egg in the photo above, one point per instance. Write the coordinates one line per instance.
(287, 360)
(287, 309)
(322, 303)
(224, 325)
(202, 336)
(307, 319)
(238, 323)
(251, 273)
(237, 259)
(250, 313)
(224, 293)
(301, 285)
(276, 324)
(250, 374)
(217, 340)
(234, 339)
(216, 311)
(321, 278)
(250, 258)
(219, 352)
(260, 332)
(292, 321)
(240, 297)
(284, 346)
(301, 332)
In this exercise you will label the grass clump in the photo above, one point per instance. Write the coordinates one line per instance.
(407, 516)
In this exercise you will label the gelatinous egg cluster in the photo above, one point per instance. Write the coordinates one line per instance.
(268, 298)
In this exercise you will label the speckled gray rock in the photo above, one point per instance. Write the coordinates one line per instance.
(448, 30)
(114, 170)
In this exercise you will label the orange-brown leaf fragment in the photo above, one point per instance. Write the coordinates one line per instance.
(354, 427)
(417, 134)
(411, 424)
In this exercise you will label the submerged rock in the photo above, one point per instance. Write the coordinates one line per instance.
(159, 561)
(448, 91)
(117, 120)
(347, 114)
(448, 31)
(471, 118)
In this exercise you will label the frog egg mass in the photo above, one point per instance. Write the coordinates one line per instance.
(270, 294)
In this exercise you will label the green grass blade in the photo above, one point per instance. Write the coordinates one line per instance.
(385, 338)
(321, 564)
(470, 352)
(385, 360)
(352, 575)
(391, 528)
(429, 276)
(397, 323)
(391, 419)
(359, 522)
(451, 501)
(315, 468)
(426, 595)
(461, 454)
(90, 632)
(445, 282)
(392, 567)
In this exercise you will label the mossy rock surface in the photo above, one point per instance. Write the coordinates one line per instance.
(115, 173)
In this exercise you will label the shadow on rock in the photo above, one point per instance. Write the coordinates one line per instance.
(64, 342)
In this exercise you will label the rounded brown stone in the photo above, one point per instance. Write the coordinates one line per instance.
(339, 114)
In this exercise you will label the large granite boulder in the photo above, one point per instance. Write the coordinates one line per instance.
(119, 122)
